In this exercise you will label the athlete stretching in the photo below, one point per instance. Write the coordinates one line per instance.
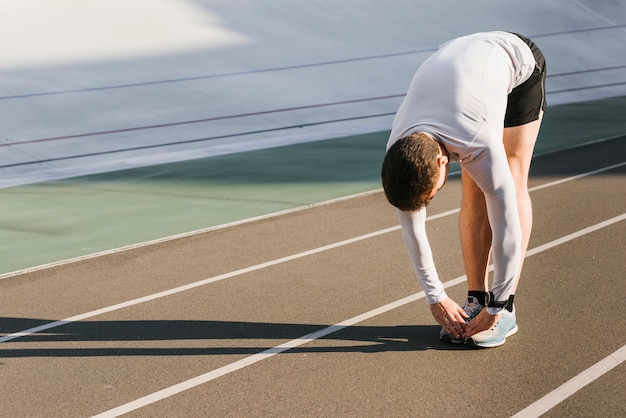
(478, 100)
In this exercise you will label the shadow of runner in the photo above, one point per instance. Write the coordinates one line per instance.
(251, 335)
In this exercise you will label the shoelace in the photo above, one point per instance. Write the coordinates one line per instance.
(472, 309)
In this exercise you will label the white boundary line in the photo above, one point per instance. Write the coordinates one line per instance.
(250, 360)
(565, 180)
(204, 282)
(580, 145)
(181, 235)
(573, 385)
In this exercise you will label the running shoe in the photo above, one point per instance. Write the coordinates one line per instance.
(472, 308)
(496, 336)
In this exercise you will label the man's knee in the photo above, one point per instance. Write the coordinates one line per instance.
(472, 198)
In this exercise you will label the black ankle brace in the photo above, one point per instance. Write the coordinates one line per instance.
(479, 295)
(509, 303)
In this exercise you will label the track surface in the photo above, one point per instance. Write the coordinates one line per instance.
(236, 340)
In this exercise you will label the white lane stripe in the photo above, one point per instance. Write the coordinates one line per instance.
(204, 282)
(575, 235)
(565, 180)
(182, 235)
(189, 286)
(245, 362)
(573, 385)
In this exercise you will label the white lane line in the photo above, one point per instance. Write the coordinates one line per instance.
(204, 282)
(565, 180)
(573, 385)
(182, 235)
(245, 362)
(189, 286)
(575, 235)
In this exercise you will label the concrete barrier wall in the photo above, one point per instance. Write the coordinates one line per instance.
(92, 85)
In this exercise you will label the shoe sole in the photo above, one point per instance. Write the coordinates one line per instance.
(471, 343)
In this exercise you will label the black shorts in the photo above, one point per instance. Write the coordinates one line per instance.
(527, 100)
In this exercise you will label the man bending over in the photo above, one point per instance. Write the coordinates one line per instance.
(478, 100)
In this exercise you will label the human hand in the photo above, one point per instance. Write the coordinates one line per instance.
(450, 316)
(483, 321)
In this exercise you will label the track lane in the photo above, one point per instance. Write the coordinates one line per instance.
(215, 325)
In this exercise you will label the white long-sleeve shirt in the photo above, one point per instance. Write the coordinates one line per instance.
(459, 96)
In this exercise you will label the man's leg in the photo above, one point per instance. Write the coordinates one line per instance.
(476, 245)
(519, 143)
(475, 234)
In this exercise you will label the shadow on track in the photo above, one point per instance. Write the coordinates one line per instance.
(369, 339)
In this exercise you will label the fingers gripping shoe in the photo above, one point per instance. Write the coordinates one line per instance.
(496, 336)
(472, 308)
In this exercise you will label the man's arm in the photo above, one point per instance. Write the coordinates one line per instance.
(414, 234)
(445, 311)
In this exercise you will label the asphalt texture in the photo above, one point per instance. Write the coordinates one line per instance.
(317, 312)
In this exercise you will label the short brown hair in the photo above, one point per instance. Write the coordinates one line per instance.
(410, 171)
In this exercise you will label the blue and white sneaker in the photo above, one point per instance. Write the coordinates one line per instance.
(496, 336)
(472, 308)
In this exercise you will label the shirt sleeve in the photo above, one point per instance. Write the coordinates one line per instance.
(414, 233)
(490, 170)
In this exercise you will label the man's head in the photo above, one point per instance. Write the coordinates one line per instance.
(414, 169)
